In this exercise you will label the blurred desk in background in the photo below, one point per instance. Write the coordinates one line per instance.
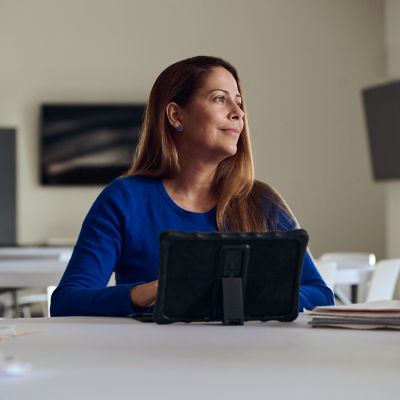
(31, 267)
(357, 277)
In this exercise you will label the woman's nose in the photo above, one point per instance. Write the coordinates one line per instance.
(237, 112)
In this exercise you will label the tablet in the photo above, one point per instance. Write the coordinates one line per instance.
(229, 277)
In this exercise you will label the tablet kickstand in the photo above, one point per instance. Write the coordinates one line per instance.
(232, 297)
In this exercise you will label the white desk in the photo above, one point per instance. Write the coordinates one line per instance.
(118, 358)
(353, 275)
(31, 273)
(36, 273)
(31, 253)
(356, 276)
(32, 266)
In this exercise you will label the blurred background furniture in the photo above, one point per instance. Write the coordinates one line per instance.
(353, 272)
(37, 268)
(327, 269)
(385, 282)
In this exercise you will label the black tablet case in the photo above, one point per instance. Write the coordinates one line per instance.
(210, 276)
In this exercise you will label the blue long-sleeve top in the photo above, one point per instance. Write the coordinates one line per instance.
(121, 234)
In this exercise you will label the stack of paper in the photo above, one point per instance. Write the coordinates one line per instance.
(383, 314)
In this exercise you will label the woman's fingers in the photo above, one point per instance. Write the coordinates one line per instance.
(144, 295)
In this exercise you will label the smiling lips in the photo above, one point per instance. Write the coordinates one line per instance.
(232, 131)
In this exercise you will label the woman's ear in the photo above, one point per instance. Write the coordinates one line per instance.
(174, 115)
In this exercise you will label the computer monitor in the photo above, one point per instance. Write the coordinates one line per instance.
(382, 113)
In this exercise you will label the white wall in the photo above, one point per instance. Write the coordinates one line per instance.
(302, 63)
(392, 39)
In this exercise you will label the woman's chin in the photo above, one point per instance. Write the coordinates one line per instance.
(230, 151)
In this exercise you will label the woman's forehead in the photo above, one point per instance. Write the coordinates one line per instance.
(220, 78)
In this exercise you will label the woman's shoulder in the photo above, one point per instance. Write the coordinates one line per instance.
(136, 181)
(124, 187)
(278, 214)
(267, 195)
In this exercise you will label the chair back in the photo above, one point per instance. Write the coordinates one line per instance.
(385, 280)
(349, 259)
(327, 271)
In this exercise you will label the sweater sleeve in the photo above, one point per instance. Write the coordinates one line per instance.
(82, 289)
(313, 290)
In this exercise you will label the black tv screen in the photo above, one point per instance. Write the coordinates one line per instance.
(89, 144)
(382, 113)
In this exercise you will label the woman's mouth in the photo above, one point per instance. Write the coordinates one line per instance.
(231, 131)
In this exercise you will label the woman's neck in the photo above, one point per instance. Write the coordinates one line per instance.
(193, 189)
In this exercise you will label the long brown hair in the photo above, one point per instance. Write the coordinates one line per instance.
(242, 200)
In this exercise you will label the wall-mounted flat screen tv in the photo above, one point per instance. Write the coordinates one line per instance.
(88, 144)
(382, 113)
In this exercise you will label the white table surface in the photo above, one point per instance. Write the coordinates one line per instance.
(41, 252)
(31, 273)
(118, 358)
(353, 275)
(32, 266)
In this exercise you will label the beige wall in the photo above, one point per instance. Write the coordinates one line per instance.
(302, 64)
(392, 39)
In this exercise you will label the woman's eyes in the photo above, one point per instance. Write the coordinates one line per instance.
(222, 99)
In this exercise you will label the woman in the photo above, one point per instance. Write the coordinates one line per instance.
(193, 172)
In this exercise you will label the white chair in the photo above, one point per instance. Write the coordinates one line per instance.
(349, 258)
(24, 299)
(354, 271)
(328, 272)
(385, 280)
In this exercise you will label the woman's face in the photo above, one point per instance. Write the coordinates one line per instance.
(213, 119)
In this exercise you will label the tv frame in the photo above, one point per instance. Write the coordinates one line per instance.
(381, 109)
(86, 175)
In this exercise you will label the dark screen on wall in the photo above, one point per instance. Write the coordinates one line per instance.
(382, 113)
(88, 144)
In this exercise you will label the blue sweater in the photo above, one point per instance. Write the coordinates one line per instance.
(120, 234)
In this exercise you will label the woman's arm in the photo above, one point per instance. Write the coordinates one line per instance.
(82, 289)
(313, 289)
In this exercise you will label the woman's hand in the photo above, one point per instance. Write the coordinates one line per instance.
(144, 295)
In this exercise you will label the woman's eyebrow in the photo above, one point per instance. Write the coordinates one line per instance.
(225, 91)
